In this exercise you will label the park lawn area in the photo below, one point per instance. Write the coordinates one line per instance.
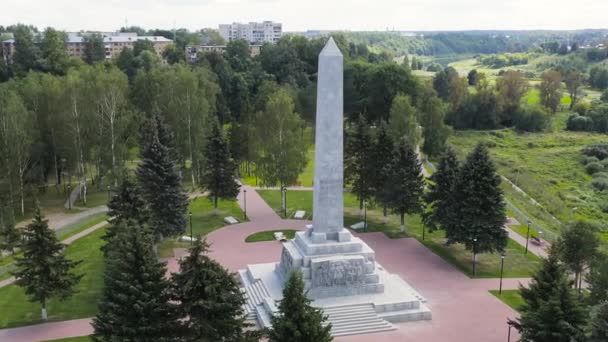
(268, 235)
(17, 310)
(510, 297)
(72, 339)
(6, 263)
(546, 166)
(203, 221)
(305, 178)
(517, 264)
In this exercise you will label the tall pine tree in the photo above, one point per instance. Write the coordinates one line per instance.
(43, 271)
(136, 302)
(404, 186)
(478, 214)
(10, 237)
(359, 168)
(598, 323)
(439, 198)
(209, 297)
(219, 175)
(160, 181)
(297, 320)
(382, 154)
(551, 312)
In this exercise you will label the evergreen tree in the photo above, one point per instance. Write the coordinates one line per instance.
(550, 312)
(297, 320)
(404, 186)
(434, 131)
(359, 170)
(597, 278)
(160, 183)
(209, 297)
(135, 304)
(220, 170)
(414, 63)
(598, 325)
(126, 205)
(43, 271)
(439, 199)
(406, 62)
(478, 212)
(10, 237)
(382, 154)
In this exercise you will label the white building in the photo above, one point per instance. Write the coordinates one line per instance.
(254, 33)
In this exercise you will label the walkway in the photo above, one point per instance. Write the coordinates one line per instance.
(463, 309)
(59, 220)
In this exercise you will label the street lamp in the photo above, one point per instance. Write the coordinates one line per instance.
(108, 189)
(502, 267)
(511, 323)
(365, 216)
(285, 201)
(245, 202)
(69, 196)
(423, 230)
(528, 236)
(191, 237)
(474, 255)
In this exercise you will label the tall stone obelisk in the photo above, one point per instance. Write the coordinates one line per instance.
(328, 204)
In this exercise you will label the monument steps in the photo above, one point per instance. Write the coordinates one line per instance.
(418, 314)
(355, 319)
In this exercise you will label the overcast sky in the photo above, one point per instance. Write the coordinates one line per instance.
(299, 15)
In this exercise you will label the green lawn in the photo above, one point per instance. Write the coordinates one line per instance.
(510, 297)
(517, 264)
(268, 235)
(547, 167)
(6, 263)
(72, 339)
(203, 221)
(17, 310)
(304, 179)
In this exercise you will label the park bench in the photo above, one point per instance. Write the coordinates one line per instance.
(279, 236)
(358, 225)
(230, 220)
(299, 214)
(186, 238)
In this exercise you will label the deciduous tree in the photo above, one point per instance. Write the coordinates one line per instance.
(577, 247)
(550, 95)
(402, 121)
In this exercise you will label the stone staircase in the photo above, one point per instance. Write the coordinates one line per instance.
(355, 319)
(255, 292)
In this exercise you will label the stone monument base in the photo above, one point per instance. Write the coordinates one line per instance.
(342, 277)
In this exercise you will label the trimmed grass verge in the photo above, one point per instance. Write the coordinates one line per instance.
(510, 297)
(268, 235)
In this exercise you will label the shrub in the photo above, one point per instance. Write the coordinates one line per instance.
(604, 207)
(598, 150)
(604, 162)
(531, 119)
(601, 174)
(604, 97)
(600, 184)
(593, 168)
(579, 123)
(581, 108)
(589, 159)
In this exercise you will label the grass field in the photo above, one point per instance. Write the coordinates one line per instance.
(203, 221)
(72, 339)
(517, 264)
(510, 297)
(546, 166)
(7, 262)
(268, 235)
(17, 310)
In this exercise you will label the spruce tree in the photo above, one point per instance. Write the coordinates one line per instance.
(297, 320)
(597, 280)
(44, 271)
(10, 237)
(551, 312)
(160, 182)
(135, 304)
(219, 175)
(478, 212)
(382, 154)
(209, 297)
(126, 205)
(439, 198)
(359, 169)
(598, 324)
(404, 185)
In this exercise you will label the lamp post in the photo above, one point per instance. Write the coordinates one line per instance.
(474, 255)
(502, 267)
(108, 189)
(511, 323)
(191, 237)
(423, 230)
(245, 204)
(69, 196)
(527, 237)
(365, 216)
(285, 201)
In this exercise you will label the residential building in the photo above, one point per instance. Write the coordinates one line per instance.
(192, 51)
(254, 33)
(114, 43)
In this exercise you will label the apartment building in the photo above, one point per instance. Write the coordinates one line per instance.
(192, 51)
(114, 43)
(254, 33)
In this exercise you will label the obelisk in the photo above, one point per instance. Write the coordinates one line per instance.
(328, 205)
